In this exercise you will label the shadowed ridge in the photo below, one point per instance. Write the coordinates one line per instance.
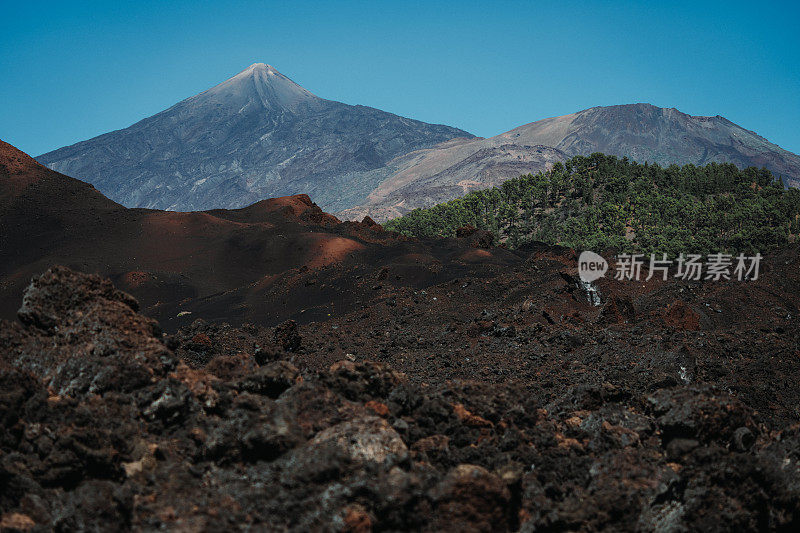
(22, 177)
(276, 259)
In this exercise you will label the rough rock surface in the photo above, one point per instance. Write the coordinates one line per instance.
(579, 425)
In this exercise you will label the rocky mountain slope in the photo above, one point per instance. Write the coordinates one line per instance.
(257, 135)
(640, 132)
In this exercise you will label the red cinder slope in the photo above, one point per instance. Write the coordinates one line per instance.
(277, 259)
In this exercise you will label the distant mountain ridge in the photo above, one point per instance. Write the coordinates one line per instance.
(256, 135)
(644, 132)
(640, 132)
(259, 135)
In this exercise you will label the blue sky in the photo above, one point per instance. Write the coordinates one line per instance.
(73, 70)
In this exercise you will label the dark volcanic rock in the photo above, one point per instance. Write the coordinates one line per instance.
(287, 336)
(85, 337)
(588, 439)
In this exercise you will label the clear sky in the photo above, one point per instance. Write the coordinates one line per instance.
(73, 70)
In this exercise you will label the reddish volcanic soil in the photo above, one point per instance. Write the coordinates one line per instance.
(277, 259)
(437, 385)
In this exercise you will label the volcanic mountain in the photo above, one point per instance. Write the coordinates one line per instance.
(276, 259)
(641, 132)
(257, 135)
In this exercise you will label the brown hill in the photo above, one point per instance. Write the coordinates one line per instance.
(264, 263)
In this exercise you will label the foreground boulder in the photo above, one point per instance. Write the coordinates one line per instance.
(83, 336)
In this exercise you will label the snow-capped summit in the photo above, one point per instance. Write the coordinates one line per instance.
(260, 83)
(269, 69)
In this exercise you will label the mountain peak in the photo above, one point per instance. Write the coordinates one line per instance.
(646, 108)
(260, 83)
(260, 67)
